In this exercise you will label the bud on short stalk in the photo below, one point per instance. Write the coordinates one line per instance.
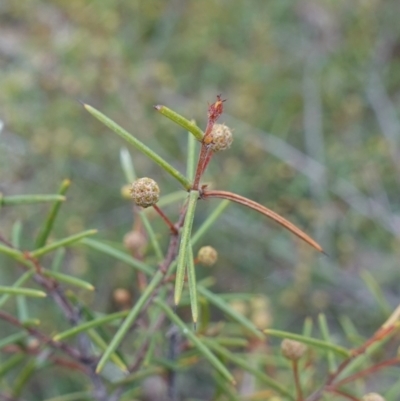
(292, 350)
(145, 192)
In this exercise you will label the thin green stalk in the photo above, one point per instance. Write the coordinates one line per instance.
(16, 234)
(25, 277)
(192, 285)
(102, 345)
(89, 325)
(64, 278)
(127, 165)
(14, 253)
(201, 347)
(182, 121)
(22, 291)
(183, 247)
(122, 256)
(377, 292)
(23, 377)
(323, 326)
(210, 220)
(310, 341)
(152, 235)
(13, 339)
(10, 364)
(49, 222)
(58, 259)
(63, 242)
(191, 157)
(22, 308)
(132, 316)
(225, 307)
(249, 368)
(28, 199)
(166, 200)
(139, 145)
(77, 396)
(307, 327)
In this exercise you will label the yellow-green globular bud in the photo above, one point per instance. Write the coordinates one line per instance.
(292, 350)
(207, 255)
(373, 397)
(145, 192)
(126, 191)
(221, 137)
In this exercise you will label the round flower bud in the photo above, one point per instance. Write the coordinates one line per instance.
(373, 397)
(221, 137)
(121, 296)
(145, 192)
(135, 242)
(207, 255)
(292, 350)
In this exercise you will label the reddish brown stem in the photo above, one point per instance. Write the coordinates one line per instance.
(329, 385)
(263, 210)
(295, 366)
(343, 394)
(368, 371)
(70, 351)
(214, 111)
(169, 223)
(204, 152)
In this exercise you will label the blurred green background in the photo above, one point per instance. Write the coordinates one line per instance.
(313, 96)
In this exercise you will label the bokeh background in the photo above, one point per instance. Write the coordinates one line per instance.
(313, 96)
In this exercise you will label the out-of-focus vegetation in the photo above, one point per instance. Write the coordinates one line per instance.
(313, 91)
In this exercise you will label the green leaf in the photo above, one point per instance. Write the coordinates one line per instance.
(225, 307)
(203, 349)
(22, 377)
(249, 367)
(13, 339)
(377, 292)
(127, 165)
(22, 291)
(16, 234)
(192, 285)
(326, 346)
(133, 314)
(63, 242)
(122, 256)
(102, 345)
(152, 235)
(210, 220)
(182, 121)
(14, 253)
(350, 330)
(89, 325)
(307, 327)
(77, 396)
(58, 259)
(64, 278)
(10, 364)
(191, 160)
(183, 247)
(323, 326)
(27, 199)
(139, 145)
(48, 225)
(25, 277)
